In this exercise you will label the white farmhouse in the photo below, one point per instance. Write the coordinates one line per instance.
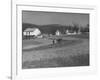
(68, 32)
(58, 33)
(31, 32)
(73, 33)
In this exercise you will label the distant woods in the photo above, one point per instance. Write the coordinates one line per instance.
(52, 28)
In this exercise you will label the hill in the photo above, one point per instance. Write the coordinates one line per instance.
(52, 28)
(48, 29)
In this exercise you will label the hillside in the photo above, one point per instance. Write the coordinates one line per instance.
(48, 29)
(52, 28)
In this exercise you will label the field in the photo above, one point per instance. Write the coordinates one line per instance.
(41, 53)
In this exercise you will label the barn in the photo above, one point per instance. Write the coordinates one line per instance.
(31, 32)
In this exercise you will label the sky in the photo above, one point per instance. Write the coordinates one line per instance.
(43, 18)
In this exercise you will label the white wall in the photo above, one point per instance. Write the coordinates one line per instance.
(5, 39)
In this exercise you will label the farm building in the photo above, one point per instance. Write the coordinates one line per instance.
(31, 32)
(57, 33)
(69, 32)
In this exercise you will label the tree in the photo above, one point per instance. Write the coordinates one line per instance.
(75, 26)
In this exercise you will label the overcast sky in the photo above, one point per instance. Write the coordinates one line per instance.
(42, 18)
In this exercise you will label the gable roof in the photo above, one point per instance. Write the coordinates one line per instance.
(30, 29)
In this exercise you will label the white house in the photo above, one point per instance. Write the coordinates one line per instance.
(31, 32)
(70, 33)
(58, 33)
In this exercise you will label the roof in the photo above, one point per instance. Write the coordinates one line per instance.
(30, 29)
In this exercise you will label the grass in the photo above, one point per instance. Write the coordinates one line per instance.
(63, 43)
(30, 42)
(73, 60)
(81, 36)
(69, 53)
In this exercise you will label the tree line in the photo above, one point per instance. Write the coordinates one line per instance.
(52, 28)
